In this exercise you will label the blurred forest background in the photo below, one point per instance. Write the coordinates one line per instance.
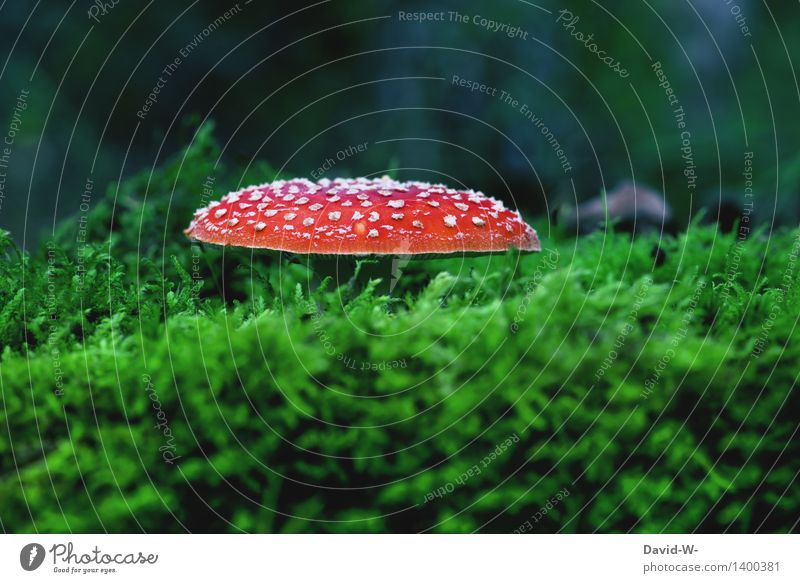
(295, 84)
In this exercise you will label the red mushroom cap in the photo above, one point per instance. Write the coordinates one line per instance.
(362, 216)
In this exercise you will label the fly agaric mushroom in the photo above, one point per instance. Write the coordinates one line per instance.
(362, 216)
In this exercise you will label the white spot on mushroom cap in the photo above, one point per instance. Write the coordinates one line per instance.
(450, 221)
(233, 222)
(261, 226)
(478, 222)
(334, 216)
(357, 215)
(373, 216)
(315, 207)
(221, 212)
(397, 204)
(372, 233)
(397, 216)
(433, 202)
(417, 224)
(461, 206)
(308, 221)
(270, 213)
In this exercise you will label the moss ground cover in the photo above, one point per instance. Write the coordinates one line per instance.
(605, 384)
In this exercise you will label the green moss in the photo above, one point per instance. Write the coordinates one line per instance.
(149, 384)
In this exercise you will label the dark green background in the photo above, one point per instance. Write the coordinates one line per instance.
(294, 86)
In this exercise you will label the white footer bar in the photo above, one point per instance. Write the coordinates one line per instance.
(406, 558)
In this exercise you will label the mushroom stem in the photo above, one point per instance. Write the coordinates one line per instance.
(354, 271)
